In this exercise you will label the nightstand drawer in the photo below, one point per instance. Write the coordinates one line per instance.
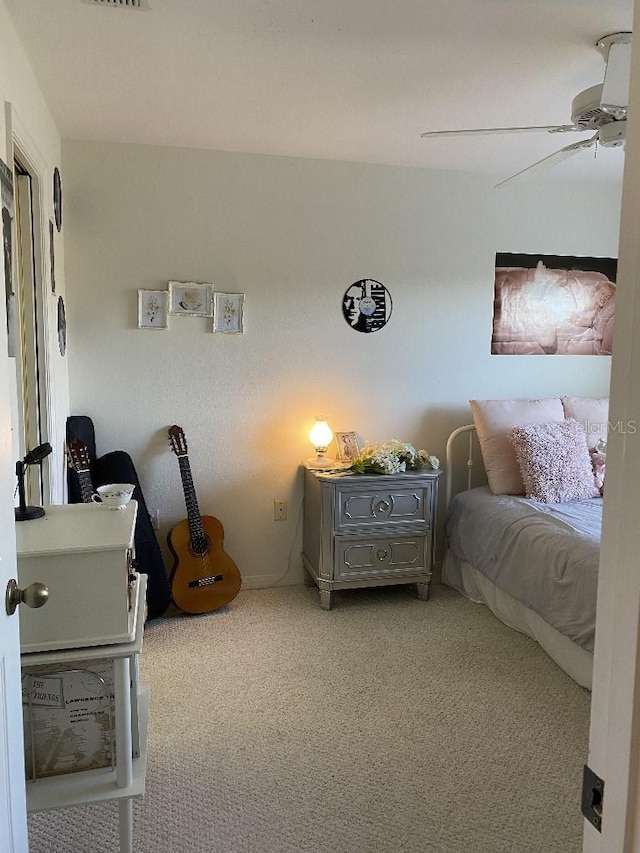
(383, 556)
(383, 504)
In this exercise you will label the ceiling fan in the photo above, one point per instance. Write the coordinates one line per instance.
(601, 108)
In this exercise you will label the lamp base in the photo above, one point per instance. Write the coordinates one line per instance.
(28, 513)
(321, 463)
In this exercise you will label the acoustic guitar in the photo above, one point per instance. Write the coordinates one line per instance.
(204, 577)
(79, 460)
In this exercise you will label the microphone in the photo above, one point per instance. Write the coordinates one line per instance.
(37, 454)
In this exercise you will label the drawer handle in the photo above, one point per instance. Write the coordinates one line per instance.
(384, 506)
(382, 554)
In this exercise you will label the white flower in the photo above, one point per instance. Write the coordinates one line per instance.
(392, 457)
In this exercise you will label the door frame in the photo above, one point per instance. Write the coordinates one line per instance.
(614, 738)
(26, 152)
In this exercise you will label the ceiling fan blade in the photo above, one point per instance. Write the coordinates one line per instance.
(617, 53)
(480, 131)
(550, 160)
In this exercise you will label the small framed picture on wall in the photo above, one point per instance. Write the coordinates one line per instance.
(228, 313)
(190, 297)
(153, 309)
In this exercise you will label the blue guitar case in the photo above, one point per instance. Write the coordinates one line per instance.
(117, 467)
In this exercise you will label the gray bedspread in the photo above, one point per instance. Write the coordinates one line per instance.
(544, 555)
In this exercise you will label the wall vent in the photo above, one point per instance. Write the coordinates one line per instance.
(142, 5)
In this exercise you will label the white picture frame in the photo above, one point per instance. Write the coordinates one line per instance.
(191, 298)
(153, 309)
(347, 445)
(228, 313)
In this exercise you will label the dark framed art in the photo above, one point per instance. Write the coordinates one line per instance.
(57, 198)
(62, 326)
(367, 305)
(52, 257)
(6, 183)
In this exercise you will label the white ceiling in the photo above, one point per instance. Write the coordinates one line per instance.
(333, 79)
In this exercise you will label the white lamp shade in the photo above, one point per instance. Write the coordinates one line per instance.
(321, 435)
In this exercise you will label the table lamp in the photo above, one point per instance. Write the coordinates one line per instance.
(321, 437)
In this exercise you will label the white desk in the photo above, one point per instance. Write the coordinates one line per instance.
(127, 780)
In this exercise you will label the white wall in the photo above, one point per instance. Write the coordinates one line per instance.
(293, 234)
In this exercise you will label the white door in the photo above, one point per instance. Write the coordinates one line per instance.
(614, 748)
(13, 822)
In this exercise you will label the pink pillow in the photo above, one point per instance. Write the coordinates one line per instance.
(492, 419)
(554, 461)
(592, 413)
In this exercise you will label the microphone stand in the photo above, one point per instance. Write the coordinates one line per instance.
(24, 512)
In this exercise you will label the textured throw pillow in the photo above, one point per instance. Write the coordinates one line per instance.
(592, 413)
(492, 419)
(554, 461)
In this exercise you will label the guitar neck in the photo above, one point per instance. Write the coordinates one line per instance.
(193, 513)
(86, 486)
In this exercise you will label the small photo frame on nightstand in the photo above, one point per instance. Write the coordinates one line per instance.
(348, 446)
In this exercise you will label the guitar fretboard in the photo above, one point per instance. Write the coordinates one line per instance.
(86, 486)
(198, 539)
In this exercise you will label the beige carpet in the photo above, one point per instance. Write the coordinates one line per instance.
(388, 725)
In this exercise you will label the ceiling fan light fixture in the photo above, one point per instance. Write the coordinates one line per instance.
(612, 135)
(589, 113)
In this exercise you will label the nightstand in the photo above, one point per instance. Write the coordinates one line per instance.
(368, 530)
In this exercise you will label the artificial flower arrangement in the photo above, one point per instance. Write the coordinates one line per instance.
(392, 457)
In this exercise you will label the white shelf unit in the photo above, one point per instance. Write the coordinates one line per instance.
(127, 779)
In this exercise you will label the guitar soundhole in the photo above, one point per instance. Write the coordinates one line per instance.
(199, 546)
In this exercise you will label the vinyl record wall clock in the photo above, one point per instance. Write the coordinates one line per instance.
(57, 198)
(367, 305)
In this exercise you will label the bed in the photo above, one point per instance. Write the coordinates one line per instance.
(533, 563)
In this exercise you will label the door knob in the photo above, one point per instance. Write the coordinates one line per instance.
(35, 595)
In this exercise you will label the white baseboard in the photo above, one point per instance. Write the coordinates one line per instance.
(296, 578)
(264, 581)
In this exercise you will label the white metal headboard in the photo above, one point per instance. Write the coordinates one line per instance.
(470, 430)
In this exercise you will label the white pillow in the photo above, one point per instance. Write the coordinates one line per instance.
(592, 413)
(493, 419)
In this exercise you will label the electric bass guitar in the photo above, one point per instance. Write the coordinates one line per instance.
(79, 460)
(204, 577)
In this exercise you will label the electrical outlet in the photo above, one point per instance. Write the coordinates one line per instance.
(279, 510)
(155, 518)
